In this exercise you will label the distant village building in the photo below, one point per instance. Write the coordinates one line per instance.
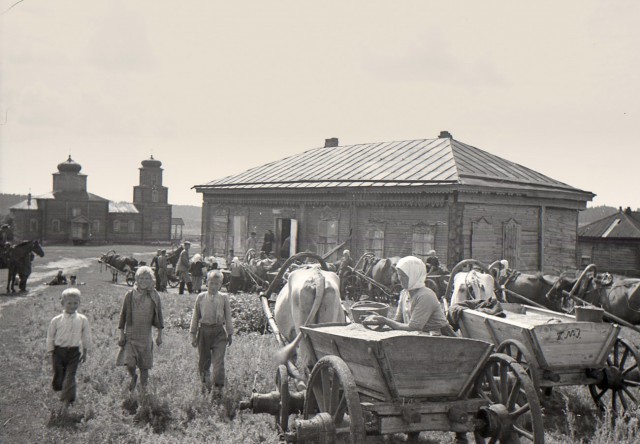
(397, 199)
(71, 214)
(612, 243)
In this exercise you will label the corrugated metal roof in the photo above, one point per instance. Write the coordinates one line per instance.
(60, 195)
(404, 163)
(620, 225)
(122, 207)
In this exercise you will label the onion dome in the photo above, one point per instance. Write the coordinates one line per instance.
(151, 163)
(69, 166)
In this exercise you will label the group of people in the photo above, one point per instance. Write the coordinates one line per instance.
(190, 270)
(69, 340)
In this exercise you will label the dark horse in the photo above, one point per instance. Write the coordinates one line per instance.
(19, 261)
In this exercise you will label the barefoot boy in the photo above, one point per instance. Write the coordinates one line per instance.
(68, 343)
(141, 310)
(212, 330)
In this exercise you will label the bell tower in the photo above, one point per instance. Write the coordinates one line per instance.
(150, 189)
(151, 199)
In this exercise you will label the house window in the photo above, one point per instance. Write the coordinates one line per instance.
(131, 225)
(33, 225)
(219, 233)
(155, 226)
(116, 226)
(327, 236)
(55, 225)
(422, 241)
(154, 195)
(75, 212)
(95, 226)
(374, 242)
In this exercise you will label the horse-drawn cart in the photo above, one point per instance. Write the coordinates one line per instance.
(375, 383)
(558, 350)
(357, 283)
(366, 382)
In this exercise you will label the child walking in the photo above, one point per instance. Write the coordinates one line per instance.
(211, 331)
(68, 344)
(141, 310)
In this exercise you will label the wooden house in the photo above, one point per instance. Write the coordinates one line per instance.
(397, 199)
(612, 243)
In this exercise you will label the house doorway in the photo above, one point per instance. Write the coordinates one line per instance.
(286, 237)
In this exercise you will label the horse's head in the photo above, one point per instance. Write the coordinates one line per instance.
(37, 248)
(588, 289)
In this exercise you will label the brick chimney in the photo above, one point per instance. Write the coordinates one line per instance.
(330, 143)
(445, 135)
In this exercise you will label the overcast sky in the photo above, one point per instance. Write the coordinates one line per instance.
(212, 88)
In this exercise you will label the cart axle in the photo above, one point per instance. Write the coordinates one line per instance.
(270, 403)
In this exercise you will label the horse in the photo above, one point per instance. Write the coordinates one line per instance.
(19, 260)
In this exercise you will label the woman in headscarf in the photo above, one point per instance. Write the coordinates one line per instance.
(418, 306)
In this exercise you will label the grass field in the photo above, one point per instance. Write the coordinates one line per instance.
(175, 411)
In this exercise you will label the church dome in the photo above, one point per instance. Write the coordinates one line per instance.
(151, 163)
(69, 166)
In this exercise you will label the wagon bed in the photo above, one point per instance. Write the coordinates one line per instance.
(394, 364)
(558, 350)
(383, 382)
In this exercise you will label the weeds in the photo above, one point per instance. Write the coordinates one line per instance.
(174, 410)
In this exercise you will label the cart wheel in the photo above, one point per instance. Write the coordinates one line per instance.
(513, 413)
(332, 390)
(130, 278)
(517, 350)
(282, 386)
(352, 288)
(620, 382)
(173, 283)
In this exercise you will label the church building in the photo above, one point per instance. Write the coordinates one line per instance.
(70, 213)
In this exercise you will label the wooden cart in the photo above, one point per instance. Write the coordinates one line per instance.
(376, 383)
(557, 350)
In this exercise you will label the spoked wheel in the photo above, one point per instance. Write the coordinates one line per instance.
(521, 354)
(332, 390)
(352, 288)
(173, 282)
(130, 278)
(513, 413)
(619, 386)
(282, 386)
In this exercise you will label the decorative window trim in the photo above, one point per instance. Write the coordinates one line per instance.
(328, 213)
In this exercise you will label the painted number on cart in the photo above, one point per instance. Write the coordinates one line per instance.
(566, 334)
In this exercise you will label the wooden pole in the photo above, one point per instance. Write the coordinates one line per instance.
(606, 313)
(523, 299)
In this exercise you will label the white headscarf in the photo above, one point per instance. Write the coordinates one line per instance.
(415, 269)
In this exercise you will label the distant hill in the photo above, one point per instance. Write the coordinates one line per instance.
(192, 217)
(9, 200)
(593, 214)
